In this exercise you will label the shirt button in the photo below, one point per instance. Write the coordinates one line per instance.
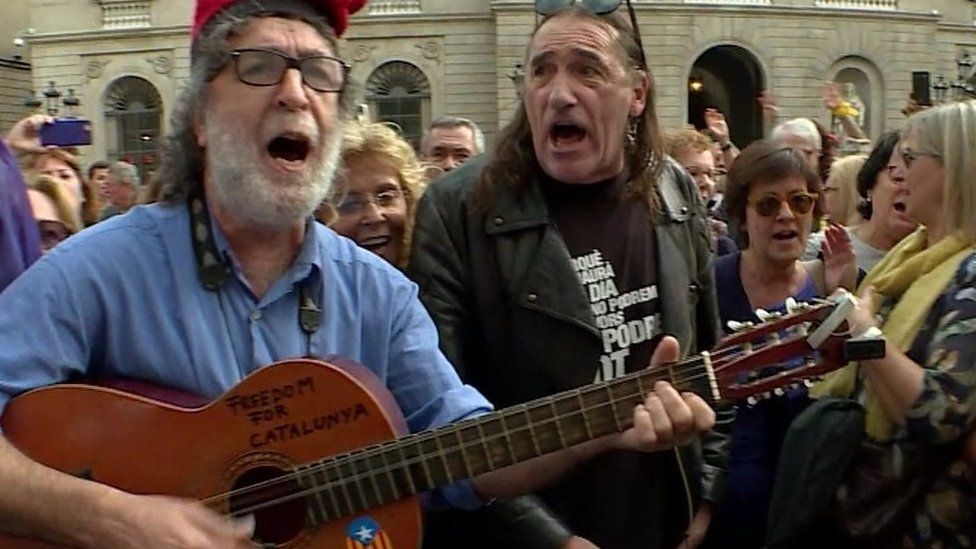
(532, 298)
(256, 314)
(499, 220)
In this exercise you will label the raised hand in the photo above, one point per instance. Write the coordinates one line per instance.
(25, 135)
(830, 95)
(666, 418)
(716, 125)
(840, 261)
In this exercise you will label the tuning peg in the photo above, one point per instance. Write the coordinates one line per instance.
(737, 326)
(765, 315)
(779, 391)
(791, 305)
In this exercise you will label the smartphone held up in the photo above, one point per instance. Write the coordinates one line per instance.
(66, 132)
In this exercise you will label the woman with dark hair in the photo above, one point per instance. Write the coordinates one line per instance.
(883, 206)
(771, 198)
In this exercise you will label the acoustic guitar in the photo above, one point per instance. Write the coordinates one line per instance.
(259, 448)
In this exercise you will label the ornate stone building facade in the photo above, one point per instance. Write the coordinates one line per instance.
(419, 59)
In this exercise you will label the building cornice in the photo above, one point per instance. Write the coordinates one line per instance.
(17, 64)
(100, 34)
(521, 6)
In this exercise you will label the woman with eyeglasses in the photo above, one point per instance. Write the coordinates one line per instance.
(771, 197)
(881, 205)
(376, 191)
(909, 484)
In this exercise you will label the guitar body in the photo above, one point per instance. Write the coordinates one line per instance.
(281, 416)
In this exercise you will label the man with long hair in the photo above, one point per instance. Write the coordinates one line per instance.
(563, 258)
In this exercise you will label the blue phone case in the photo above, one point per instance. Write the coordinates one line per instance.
(66, 132)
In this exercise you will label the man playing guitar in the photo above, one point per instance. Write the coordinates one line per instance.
(230, 274)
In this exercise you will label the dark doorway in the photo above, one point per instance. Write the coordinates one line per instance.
(727, 78)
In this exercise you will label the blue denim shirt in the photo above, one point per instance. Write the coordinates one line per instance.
(123, 299)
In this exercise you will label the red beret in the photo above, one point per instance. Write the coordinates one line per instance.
(337, 12)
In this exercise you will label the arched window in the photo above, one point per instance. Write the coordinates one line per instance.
(133, 115)
(399, 92)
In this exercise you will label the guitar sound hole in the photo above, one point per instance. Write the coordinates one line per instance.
(277, 523)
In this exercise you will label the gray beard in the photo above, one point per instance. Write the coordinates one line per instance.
(243, 191)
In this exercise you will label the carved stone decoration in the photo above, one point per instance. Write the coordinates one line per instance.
(362, 53)
(162, 63)
(93, 68)
(430, 49)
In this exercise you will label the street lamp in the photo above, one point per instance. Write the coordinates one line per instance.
(963, 84)
(51, 95)
(940, 87)
(517, 76)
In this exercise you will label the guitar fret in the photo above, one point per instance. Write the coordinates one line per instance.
(425, 466)
(484, 444)
(307, 473)
(443, 456)
(354, 477)
(406, 469)
(535, 440)
(583, 412)
(508, 439)
(555, 419)
(464, 455)
(613, 408)
(345, 489)
(385, 466)
(369, 471)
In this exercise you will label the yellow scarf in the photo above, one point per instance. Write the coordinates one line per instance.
(914, 276)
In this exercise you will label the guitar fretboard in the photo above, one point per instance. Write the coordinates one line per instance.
(350, 483)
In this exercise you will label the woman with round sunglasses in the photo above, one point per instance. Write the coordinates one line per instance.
(920, 399)
(771, 197)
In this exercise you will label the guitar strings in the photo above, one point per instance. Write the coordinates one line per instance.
(286, 481)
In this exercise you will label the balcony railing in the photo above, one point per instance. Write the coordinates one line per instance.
(731, 2)
(125, 15)
(393, 7)
(877, 5)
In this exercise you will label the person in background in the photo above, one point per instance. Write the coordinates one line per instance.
(839, 192)
(771, 197)
(451, 141)
(693, 151)
(718, 129)
(920, 399)
(120, 189)
(881, 204)
(97, 174)
(62, 164)
(377, 190)
(801, 134)
(56, 218)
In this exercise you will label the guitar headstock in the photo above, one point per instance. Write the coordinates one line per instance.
(810, 338)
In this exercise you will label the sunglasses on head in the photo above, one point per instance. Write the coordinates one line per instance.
(768, 205)
(598, 7)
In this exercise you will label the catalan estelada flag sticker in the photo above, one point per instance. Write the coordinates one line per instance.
(364, 533)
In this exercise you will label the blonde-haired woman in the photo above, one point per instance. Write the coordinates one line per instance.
(839, 192)
(376, 193)
(56, 216)
(920, 399)
(65, 168)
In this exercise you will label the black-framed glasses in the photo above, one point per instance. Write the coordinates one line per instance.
(355, 204)
(264, 67)
(599, 7)
(800, 203)
(909, 156)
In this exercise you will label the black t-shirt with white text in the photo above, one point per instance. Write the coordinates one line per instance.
(610, 238)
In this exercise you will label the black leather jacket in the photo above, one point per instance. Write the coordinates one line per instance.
(515, 321)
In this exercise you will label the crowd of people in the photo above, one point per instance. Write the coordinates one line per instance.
(586, 243)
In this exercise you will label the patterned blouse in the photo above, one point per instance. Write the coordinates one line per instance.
(944, 413)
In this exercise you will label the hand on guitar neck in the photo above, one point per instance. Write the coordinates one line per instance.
(666, 418)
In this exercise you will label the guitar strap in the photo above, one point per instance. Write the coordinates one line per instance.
(214, 271)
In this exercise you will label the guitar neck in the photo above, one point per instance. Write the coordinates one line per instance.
(349, 483)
